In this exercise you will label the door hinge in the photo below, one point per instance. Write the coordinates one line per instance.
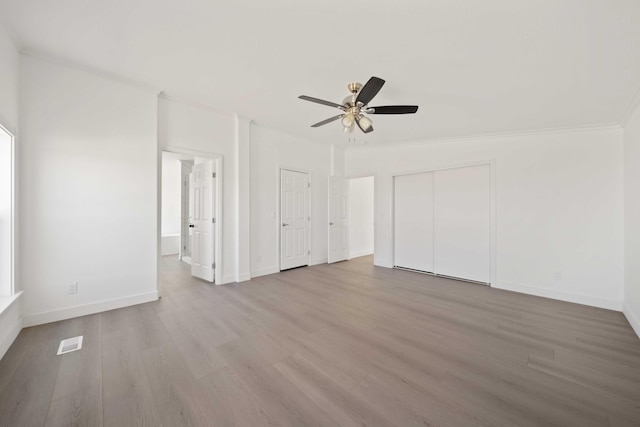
(309, 252)
(213, 175)
(213, 265)
(308, 185)
(213, 220)
(309, 219)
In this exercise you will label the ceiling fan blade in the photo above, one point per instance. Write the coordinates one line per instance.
(364, 124)
(321, 101)
(369, 90)
(329, 120)
(393, 109)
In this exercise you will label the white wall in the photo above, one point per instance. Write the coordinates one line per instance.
(88, 192)
(559, 207)
(271, 150)
(361, 216)
(171, 202)
(9, 60)
(10, 316)
(632, 220)
(171, 205)
(195, 128)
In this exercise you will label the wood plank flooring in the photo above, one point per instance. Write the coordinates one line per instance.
(343, 344)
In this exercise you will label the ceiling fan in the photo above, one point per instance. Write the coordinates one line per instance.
(355, 106)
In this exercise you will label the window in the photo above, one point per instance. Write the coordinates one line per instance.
(6, 212)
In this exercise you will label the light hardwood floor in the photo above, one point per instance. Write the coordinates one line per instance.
(342, 344)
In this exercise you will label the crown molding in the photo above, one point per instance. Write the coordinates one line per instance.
(66, 63)
(255, 123)
(492, 136)
(195, 104)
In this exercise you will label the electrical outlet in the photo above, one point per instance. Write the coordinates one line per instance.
(73, 288)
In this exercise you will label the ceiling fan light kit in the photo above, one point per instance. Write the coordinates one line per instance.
(355, 106)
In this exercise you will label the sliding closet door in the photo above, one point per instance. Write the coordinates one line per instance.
(414, 221)
(463, 223)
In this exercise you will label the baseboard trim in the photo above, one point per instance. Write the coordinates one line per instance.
(12, 329)
(265, 271)
(560, 295)
(634, 320)
(319, 261)
(360, 253)
(10, 336)
(244, 277)
(228, 279)
(86, 309)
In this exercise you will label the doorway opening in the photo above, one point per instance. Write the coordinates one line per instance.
(361, 217)
(7, 198)
(190, 212)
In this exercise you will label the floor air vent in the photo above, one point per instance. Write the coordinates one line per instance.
(70, 344)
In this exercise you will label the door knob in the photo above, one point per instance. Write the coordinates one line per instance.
(330, 223)
(192, 226)
(284, 224)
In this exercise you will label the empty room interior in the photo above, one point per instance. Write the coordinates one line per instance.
(320, 213)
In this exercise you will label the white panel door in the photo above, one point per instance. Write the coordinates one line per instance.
(463, 223)
(338, 219)
(191, 225)
(414, 221)
(294, 216)
(202, 256)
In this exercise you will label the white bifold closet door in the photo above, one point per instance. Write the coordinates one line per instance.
(414, 221)
(443, 222)
(462, 223)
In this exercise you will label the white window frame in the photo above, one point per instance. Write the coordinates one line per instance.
(11, 291)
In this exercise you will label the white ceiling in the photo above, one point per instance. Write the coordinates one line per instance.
(473, 67)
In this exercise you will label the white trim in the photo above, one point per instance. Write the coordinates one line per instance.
(83, 310)
(195, 104)
(10, 336)
(13, 209)
(265, 271)
(359, 254)
(561, 295)
(634, 320)
(227, 279)
(244, 277)
(89, 70)
(316, 261)
(488, 136)
(10, 321)
(494, 209)
(219, 183)
(7, 301)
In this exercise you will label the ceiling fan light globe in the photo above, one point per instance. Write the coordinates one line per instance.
(347, 120)
(365, 122)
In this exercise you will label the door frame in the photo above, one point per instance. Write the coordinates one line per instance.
(219, 181)
(493, 259)
(279, 170)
